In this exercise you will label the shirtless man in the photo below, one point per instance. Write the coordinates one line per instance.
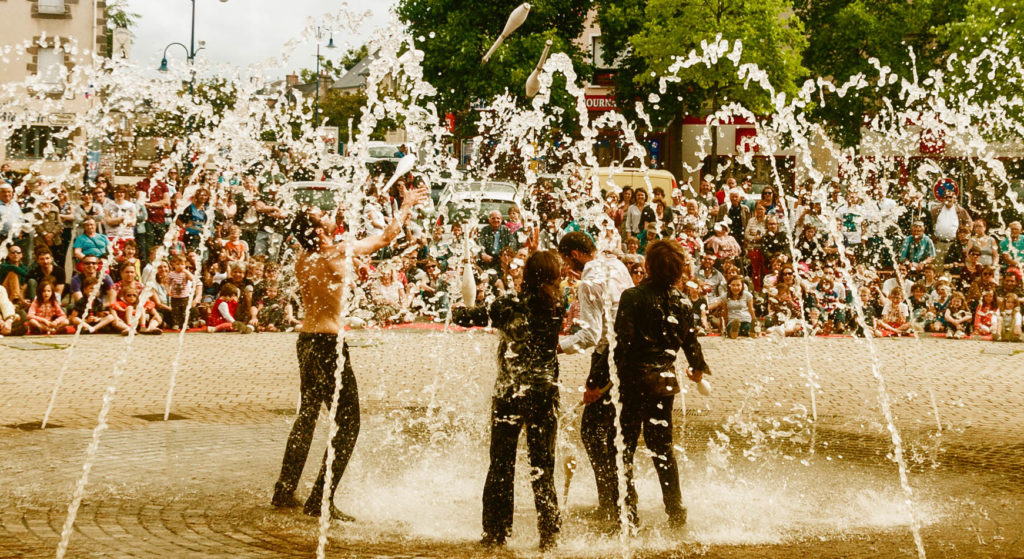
(320, 273)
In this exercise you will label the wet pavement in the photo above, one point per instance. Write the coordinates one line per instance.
(761, 478)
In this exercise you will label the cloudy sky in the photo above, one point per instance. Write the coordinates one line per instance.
(245, 32)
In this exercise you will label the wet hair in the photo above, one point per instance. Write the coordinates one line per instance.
(666, 262)
(304, 228)
(542, 275)
(576, 240)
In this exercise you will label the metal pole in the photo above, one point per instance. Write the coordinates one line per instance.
(192, 52)
(316, 103)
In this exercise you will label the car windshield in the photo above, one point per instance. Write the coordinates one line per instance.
(384, 152)
(461, 211)
(319, 197)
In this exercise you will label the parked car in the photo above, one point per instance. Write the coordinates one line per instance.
(633, 177)
(460, 200)
(321, 194)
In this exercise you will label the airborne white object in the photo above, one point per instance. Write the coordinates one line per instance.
(533, 82)
(402, 168)
(515, 19)
(704, 387)
(468, 281)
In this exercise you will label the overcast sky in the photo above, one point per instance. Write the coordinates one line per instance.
(244, 32)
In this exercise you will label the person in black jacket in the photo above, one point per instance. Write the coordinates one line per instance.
(655, 321)
(525, 395)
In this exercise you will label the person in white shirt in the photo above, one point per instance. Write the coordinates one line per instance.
(946, 220)
(122, 214)
(603, 278)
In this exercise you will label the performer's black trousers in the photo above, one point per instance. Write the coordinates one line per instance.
(597, 429)
(535, 409)
(653, 417)
(318, 361)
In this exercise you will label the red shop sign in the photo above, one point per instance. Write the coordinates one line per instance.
(598, 103)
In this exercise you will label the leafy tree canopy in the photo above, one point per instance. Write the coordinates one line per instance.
(454, 36)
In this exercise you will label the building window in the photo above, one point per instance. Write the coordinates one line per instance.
(30, 142)
(51, 6)
(50, 65)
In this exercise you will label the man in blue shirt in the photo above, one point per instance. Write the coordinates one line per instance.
(918, 249)
(1011, 249)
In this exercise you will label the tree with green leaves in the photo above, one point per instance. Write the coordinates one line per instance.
(649, 35)
(844, 37)
(454, 36)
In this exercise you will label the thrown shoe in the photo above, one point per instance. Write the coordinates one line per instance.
(335, 513)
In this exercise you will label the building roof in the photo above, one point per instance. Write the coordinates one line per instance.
(355, 78)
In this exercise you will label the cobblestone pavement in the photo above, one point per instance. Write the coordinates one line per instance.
(760, 478)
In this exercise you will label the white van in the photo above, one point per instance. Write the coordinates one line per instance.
(634, 178)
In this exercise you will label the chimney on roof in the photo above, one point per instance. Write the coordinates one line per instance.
(292, 80)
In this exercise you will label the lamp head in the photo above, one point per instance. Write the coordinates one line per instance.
(163, 65)
(330, 43)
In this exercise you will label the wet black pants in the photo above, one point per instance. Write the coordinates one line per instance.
(597, 429)
(318, 361)
(652, 416)
(536, 410)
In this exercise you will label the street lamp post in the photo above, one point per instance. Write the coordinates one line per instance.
(190, 50)
(316, 102)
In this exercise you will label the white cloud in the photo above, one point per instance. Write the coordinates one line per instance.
(246, 32)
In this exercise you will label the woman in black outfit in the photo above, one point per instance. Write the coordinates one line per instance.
(525, 395)
(654, 321)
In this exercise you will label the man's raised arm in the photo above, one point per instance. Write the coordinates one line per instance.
(372, 244)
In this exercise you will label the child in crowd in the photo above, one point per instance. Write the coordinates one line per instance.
(127, 305)
(699, 304)
(895, 316)
(275, 313)
(222, 314)
(179, 283)
(1008, 321)
(828, 297)
(985, 314)
(922, 315)
(940, 299)
(957, 316)
(45, 315)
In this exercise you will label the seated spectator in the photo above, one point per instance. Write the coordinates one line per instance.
(830, 300)
(637, 272)
(276, 313)
(1012, 247)
(45, 315)
(161, 297)
(895, 319)
(1008, 321)
(723, 244)
(14, 277)
(222, 314)
(235, 248)
(699, 304)
(984, 242)
(127, 305)
(90, 242)
(985, 314)
(922, 314)
(956, 256)
(957, 317)
(1010, 284)
(91, 269)
(738, 316)
(899, 279)
(45, 270)
(809, 246)
(95, 317)
(129, 278)
(130, 255)
(12, 321)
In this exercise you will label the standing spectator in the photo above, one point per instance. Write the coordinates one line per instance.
(1012, 247)
(13, 225)
(849, 215)
(153, 194)
(918, 250)
(984, 242)
(90, 242)
(956, 254)
(246, 216)
(915, 209)
(757, 226)
(638, 214)
(269, 217)
(121, 214)
(612, 208)
(195, 218)
(734, 214)
(946, 220)
(514, 221)
(180, 281)
(492, 239)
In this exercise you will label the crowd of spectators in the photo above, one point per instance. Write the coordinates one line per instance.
(813, 262)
